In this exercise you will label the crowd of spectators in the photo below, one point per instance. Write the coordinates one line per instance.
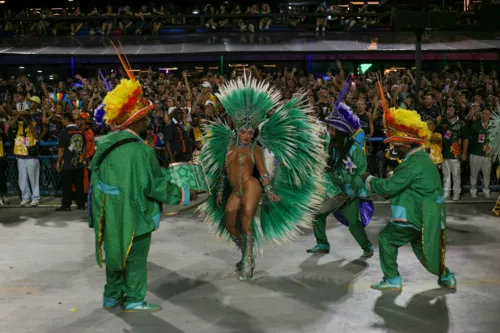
(456, 102)
(149, 19)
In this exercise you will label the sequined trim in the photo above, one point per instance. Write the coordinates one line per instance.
(100, 237)
(423, 239)
(128, 250)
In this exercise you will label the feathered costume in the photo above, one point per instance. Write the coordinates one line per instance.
(494, 149)
(127, 185)
(343, 183)
(290, 134)
(417, 202)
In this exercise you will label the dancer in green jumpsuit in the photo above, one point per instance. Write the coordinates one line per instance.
(343, 182)
(126, 187)
(417, 202)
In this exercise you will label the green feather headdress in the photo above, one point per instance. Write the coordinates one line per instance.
(248, 101)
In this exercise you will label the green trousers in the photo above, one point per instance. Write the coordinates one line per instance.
(356, 227)
(391, 238)
(132, 281)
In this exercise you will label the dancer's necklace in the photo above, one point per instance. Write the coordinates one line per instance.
(242, 145)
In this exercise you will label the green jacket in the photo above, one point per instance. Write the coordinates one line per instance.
(347, 178)
(126, 190)
(417, 201)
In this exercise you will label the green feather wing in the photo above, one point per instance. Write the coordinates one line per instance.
(218, 139)
(294, 138)
(494, 136)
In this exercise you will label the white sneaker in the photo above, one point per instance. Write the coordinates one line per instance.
(456, 197)
(487, 195)
(323, 29)
(24, 203)
(473, 195)
(1, 202)
(35, 203)
(5, 201)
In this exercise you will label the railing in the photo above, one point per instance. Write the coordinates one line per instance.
(50, 183)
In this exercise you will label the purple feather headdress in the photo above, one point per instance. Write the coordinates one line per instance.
(99, 114)
(342, 117)
(100, 111)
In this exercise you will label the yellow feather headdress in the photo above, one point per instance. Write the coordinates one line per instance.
(403, 125)
(125, 104)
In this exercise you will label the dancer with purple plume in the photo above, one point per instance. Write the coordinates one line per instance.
(345, 194)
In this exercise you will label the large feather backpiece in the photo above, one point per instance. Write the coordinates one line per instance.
(294, 138)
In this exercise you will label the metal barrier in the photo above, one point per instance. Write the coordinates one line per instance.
(50, 180)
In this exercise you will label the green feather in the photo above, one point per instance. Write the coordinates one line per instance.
(248, 101)
(294, 138)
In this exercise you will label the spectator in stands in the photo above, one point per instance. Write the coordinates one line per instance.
(76, 25)
(157, 22)
(70, 163)
(24, 128)
(455, 145)
(321, 22)
(265, 22)
(21, 100)
(178, 142)
(211, 23)
(94, 24)
(479, 148)
(109, 22)
(429, 111)
(143, 23)
(127, 22)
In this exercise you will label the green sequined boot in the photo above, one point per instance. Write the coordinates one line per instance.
(246, 272)
(239, 243)
(449, 281)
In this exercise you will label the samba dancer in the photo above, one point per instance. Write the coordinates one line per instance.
(126, 186)
(292, 192)
(344, 186)
(338, 192)
(417, 201)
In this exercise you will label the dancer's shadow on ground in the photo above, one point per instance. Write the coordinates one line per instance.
(100, 320)
(317, 285)
(201, 298)
(425, 312)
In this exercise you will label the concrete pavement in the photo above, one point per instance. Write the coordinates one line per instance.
(49, 281)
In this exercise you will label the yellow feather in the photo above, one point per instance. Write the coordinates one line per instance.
(410, 119)
(117, 99)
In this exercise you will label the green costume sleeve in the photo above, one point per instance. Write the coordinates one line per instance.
(159, 185)
(353, 177)
(358, 157)
(399, 181)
